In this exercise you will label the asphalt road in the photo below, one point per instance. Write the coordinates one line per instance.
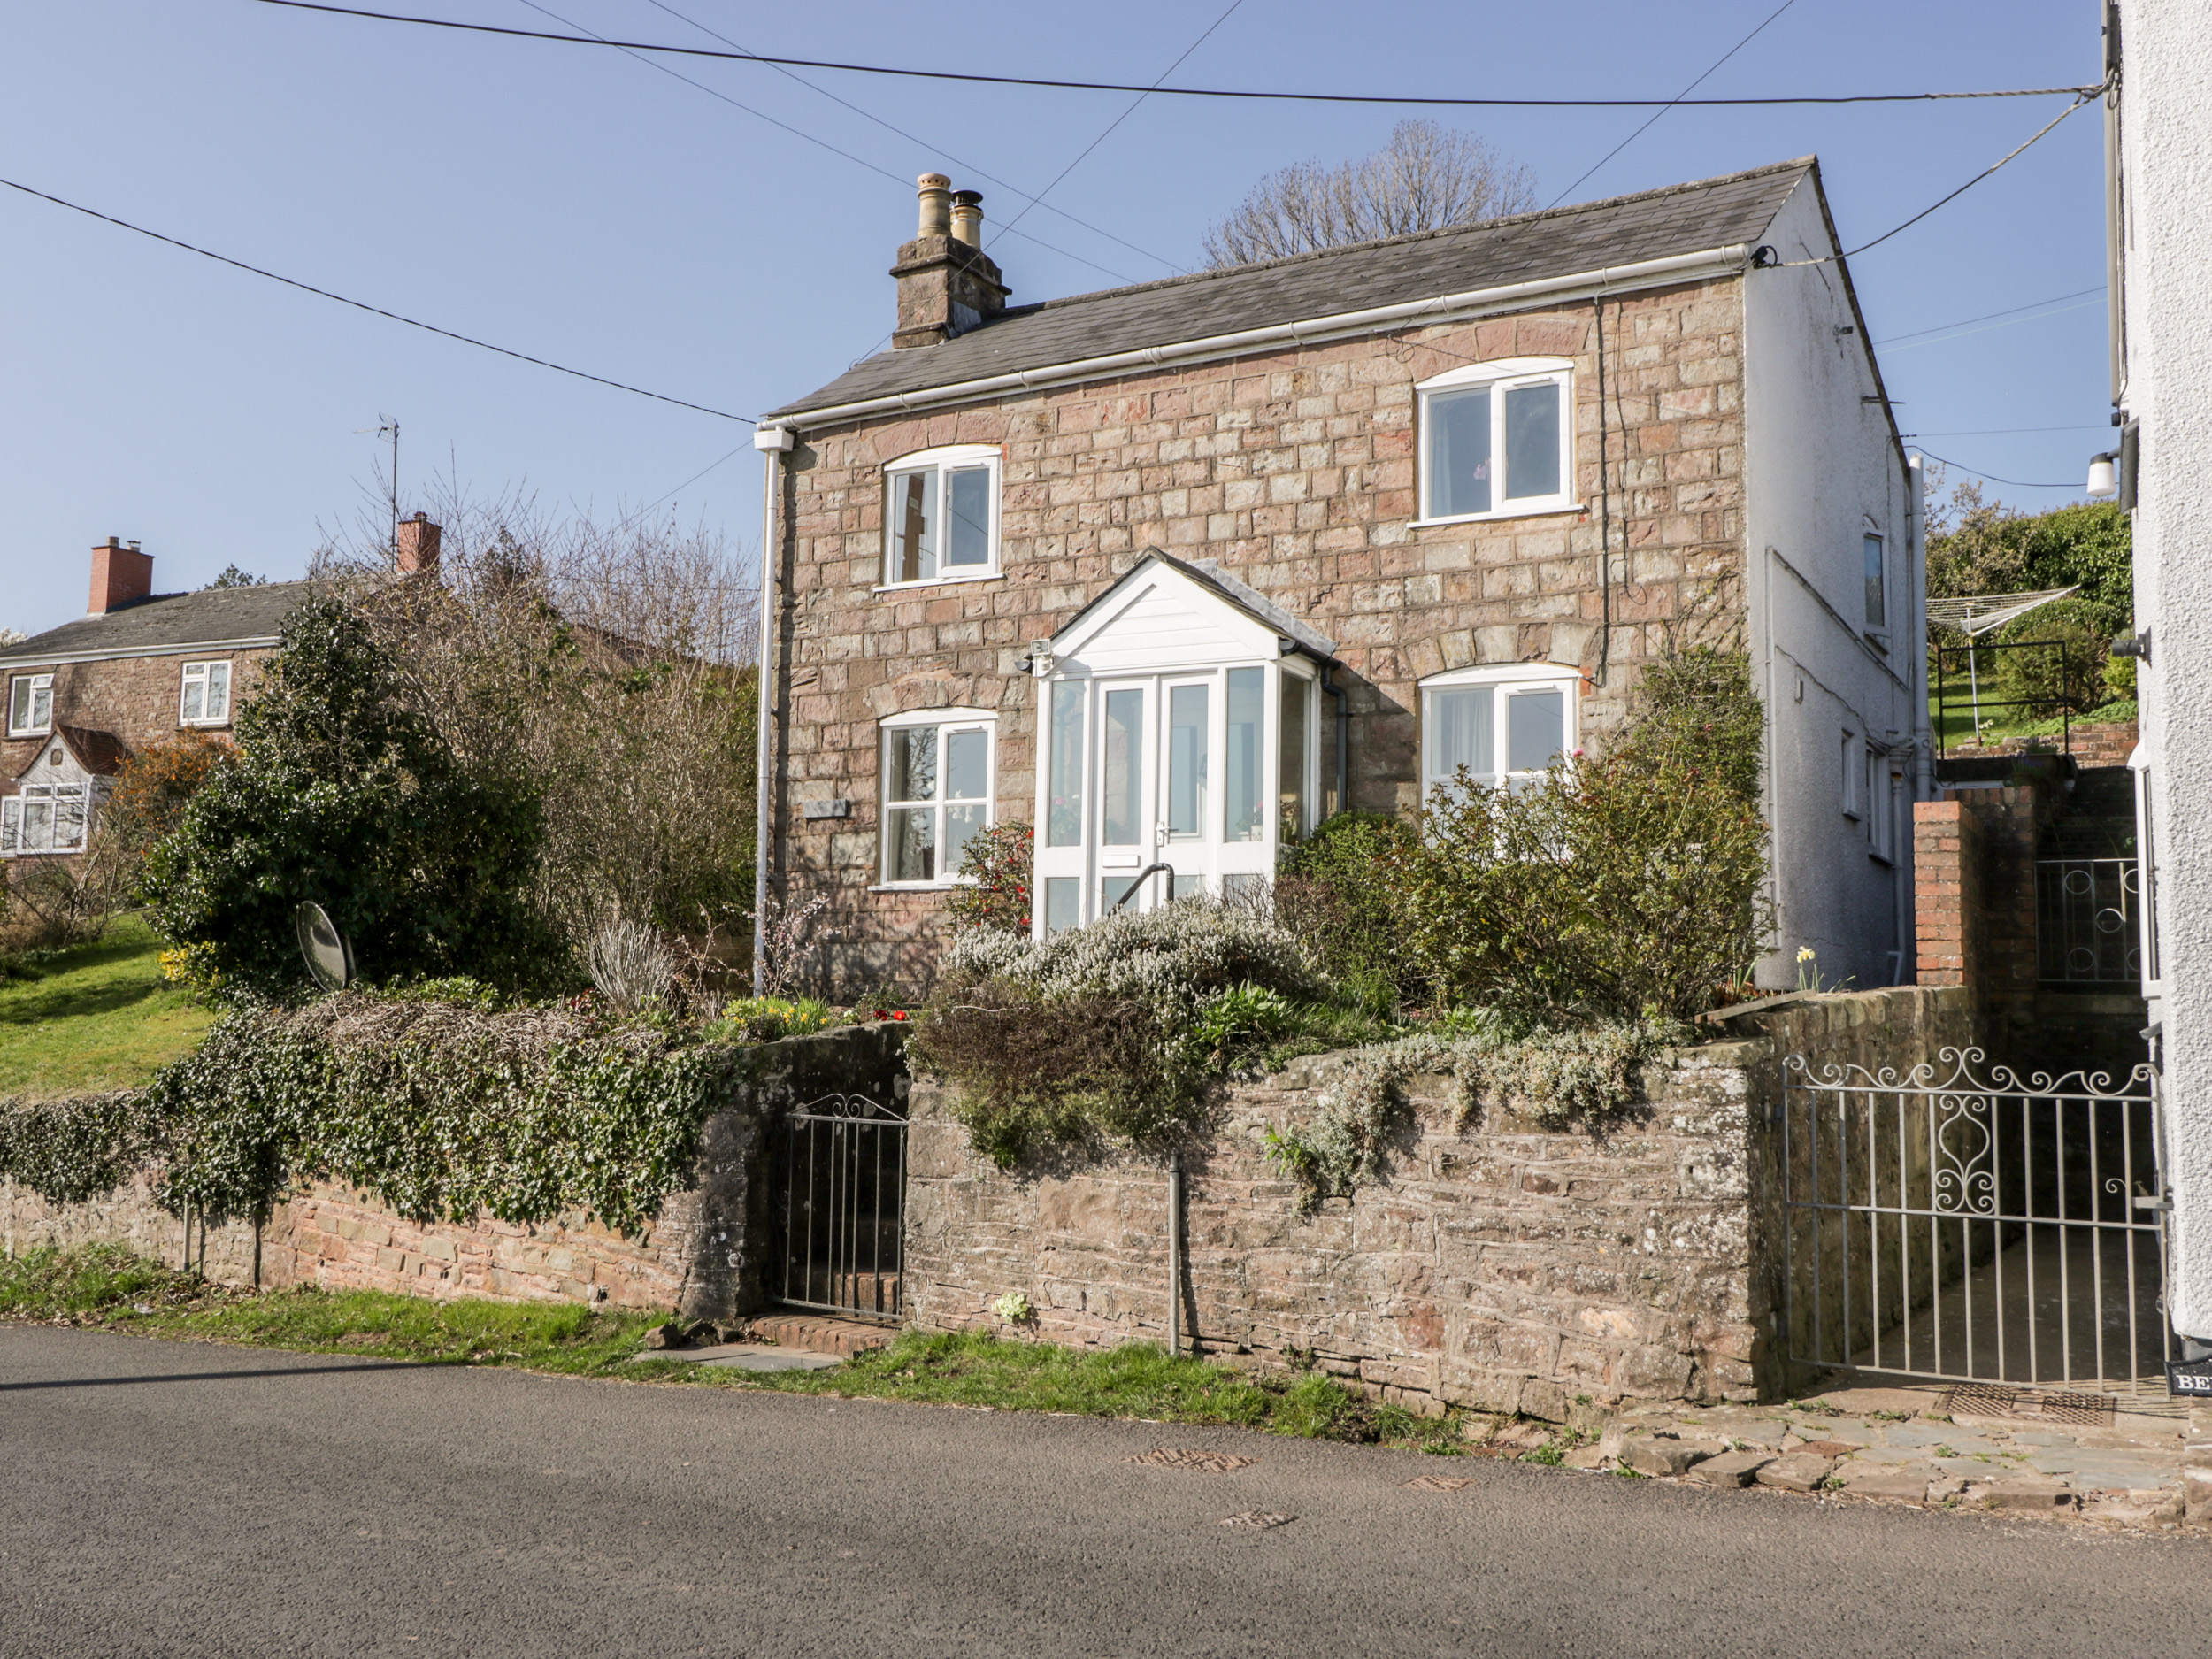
(180, 1499)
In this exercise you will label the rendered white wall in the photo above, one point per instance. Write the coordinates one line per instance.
(2166, 149)
(1821, 470)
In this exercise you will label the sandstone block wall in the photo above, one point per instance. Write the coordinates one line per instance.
(1295, 471)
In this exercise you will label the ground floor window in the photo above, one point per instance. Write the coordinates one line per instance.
(1502, 726)
(938, 767)
(43, 818)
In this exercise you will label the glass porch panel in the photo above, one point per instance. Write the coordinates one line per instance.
(1248, 706)
(1290, 778)
(967, 765)
(1188, 886)
(910, 764)
(913, 514)
(1462, 732)
(968, 535)
(1123, 784)
(69, 819)
(1063, 904)
(1535, 729)
(38, 826)
(1531, 441)
(1064, 820)
(1186, 760)
(913, 844)
(1459, 452)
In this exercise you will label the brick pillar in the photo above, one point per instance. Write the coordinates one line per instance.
(1947, 855)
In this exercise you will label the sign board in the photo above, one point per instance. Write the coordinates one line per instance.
(329, 957)
(2191, 1378)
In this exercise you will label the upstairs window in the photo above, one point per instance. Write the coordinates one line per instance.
(30, 705)
(1497, 440)
(205, 697)
(938, 766)
(1877, 581)
(940, 516)
(43, 818)
(1507, 726)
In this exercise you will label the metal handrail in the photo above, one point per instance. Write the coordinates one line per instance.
(1143, 875)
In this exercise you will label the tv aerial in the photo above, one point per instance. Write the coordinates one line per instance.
(329, 957)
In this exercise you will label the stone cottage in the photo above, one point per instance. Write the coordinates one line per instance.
(136, 669)
(1174, 572)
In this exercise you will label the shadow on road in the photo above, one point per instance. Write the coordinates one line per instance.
(226, 1376)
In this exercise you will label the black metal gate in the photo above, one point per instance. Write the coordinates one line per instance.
(843, 1207)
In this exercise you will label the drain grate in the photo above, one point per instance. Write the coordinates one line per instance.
(1259, 1520)
(1209, 1463)
(1439, 1483)
(1980, 1399)
(2092, 1411)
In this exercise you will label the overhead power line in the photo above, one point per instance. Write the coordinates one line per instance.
(373, 311)
(1183, 92)
(1938, 328)
(2017, 483)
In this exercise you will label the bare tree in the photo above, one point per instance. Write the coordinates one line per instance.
(1425, 178)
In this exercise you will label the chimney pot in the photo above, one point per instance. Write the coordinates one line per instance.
(120, 576)
(967, 218)
(419, 540)
(935, 191)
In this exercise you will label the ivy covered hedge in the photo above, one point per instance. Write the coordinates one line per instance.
(439, 1109)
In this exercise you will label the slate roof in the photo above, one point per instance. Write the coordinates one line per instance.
(1560, 242)
(163, 623)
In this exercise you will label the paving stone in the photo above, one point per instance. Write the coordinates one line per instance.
(1866, 1401)
(1914, 1434)
(1730, 1469)
(749, 1357)
(2135, 1507)
(1796, 1471)
(2025, 1494)
(1901, 1485)
(1833, 1448)
(2196, 1489)
(1664, 1454)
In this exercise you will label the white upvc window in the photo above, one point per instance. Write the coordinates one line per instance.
(204, 698)
(30, 705)
(1505, 726)
(43, 818)
(1497, 441)
(939, 765)
(941, 515)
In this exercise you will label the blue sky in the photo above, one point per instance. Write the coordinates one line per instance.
(576, 205)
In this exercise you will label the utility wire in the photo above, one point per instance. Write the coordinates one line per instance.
(2079, 305)
(1671, 104)
(2002, 432)
(796, 132)
(2017, 483)
(1187, 92)
(1938, 328)
(373, 311)
(965, 166)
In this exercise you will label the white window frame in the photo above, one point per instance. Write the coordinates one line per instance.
(1506, 679)
(1501, 375)
(943, 461)
(205, 674)
(946, 720)
(15, 813)
(37, 683)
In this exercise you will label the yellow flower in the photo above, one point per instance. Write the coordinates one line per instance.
(1805, 953)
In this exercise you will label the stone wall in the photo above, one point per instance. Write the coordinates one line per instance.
(707, 1253)
(1501, 1268)
(1294, 470)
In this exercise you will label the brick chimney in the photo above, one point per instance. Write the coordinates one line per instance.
(419, 540)
(121, 575)
(947, 283)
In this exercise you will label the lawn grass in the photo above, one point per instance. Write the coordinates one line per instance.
(93, 1018)
(106, 1286)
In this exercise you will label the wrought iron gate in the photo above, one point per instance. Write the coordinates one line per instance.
(1962, 1224)
(843, 1207)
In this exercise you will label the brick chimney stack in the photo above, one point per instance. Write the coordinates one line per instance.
(121, 575)
(419, 540)
(947, 283)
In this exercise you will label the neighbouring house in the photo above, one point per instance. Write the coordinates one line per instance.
(135, 670)
(1174, 572)
(2159, 148)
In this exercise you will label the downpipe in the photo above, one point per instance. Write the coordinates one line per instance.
(1175, 1252)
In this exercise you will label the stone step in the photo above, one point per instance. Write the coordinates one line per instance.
(819, 1332)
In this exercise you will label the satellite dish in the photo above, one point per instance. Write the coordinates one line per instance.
(330, 958)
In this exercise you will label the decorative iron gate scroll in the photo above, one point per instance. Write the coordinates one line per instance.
(843, 1207)
(1960, 1223)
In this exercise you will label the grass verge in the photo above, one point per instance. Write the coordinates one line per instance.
(93, 1018)
(107, 1288)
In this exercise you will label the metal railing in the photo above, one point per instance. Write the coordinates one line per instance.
(1971, 677)
(1961, 1228)
(844, 1207)
(2086, 927)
